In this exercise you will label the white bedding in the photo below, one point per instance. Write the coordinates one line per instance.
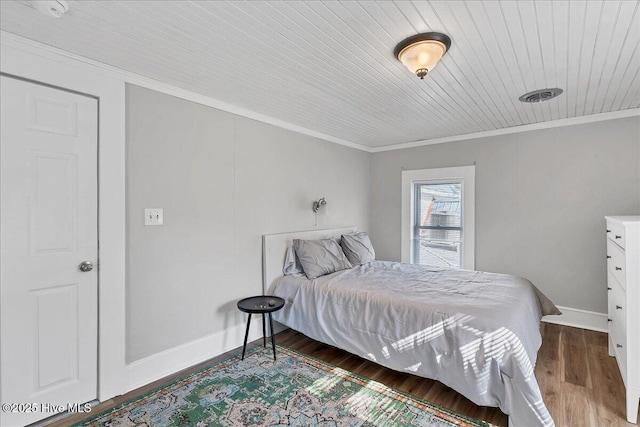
(475, 332)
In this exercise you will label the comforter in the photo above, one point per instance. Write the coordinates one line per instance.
(476, 332)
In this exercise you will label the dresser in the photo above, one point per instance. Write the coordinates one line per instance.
(623, 290)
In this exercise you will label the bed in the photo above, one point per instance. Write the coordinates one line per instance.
(476, 332)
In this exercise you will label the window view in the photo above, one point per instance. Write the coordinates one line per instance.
(437, 230)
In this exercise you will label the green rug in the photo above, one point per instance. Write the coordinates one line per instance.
(294, 391)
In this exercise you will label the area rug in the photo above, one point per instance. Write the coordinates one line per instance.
(294, 391)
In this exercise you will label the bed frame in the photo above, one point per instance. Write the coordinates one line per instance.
(274, 249)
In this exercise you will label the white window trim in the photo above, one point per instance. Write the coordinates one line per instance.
(466, 174)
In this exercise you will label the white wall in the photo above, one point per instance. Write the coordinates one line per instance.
(223, 181)
(541, 197)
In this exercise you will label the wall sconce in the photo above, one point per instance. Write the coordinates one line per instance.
(318, 204)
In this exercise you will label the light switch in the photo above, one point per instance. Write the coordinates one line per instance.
(153, 216)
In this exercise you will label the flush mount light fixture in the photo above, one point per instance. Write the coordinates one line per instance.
(420, 53)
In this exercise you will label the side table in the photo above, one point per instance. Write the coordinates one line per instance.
(262, 304)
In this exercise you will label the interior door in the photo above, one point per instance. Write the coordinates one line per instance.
(49, 250)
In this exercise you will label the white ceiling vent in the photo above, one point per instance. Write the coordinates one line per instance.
(540, 95)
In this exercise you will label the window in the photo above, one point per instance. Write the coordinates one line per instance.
(437, 224)
(438, 217)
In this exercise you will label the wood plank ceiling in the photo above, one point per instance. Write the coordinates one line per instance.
(328, 66)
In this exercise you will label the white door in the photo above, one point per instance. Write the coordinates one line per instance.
(48, 226)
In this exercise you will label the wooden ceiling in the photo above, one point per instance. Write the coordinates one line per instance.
(328, 66)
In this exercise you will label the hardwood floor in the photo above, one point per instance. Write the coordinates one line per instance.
(580, 383)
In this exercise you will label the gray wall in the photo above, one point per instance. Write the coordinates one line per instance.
(223, 181)
(540, 201)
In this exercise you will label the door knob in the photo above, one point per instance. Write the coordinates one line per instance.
(86, 266)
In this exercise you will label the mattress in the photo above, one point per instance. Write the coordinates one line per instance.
(476, 332)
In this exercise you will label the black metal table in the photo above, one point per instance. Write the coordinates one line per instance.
(263, 304)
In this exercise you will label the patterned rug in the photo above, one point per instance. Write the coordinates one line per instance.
(294, 391)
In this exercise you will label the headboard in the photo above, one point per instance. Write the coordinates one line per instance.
(274, 249)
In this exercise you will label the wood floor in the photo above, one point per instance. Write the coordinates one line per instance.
(580, 383)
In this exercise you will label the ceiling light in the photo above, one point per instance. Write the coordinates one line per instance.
(420, 53)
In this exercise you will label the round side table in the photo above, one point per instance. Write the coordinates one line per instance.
(262, 304)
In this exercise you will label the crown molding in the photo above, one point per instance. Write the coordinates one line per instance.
(18, 42)
(516, 129)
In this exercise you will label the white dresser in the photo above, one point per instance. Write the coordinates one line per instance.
(623, 289)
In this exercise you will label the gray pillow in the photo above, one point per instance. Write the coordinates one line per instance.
(292, 265)
(358, 248)
(320, 257)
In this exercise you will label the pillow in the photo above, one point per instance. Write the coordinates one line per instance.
(320, 257)
(291, 263)
(358, 248)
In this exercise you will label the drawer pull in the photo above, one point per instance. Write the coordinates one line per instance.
(619, 345)
(608, 231)
(618, 237)
(618, 268)
(608, 256)
(609, 288)
(618, 307)
(609, 320)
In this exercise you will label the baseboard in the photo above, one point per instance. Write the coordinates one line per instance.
(579, 319)
(159, 365)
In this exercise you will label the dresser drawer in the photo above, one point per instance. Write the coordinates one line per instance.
(618, 313)
(616, 263)
(611, 282)
(621, 357)
(618, 326)
(615, 233)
